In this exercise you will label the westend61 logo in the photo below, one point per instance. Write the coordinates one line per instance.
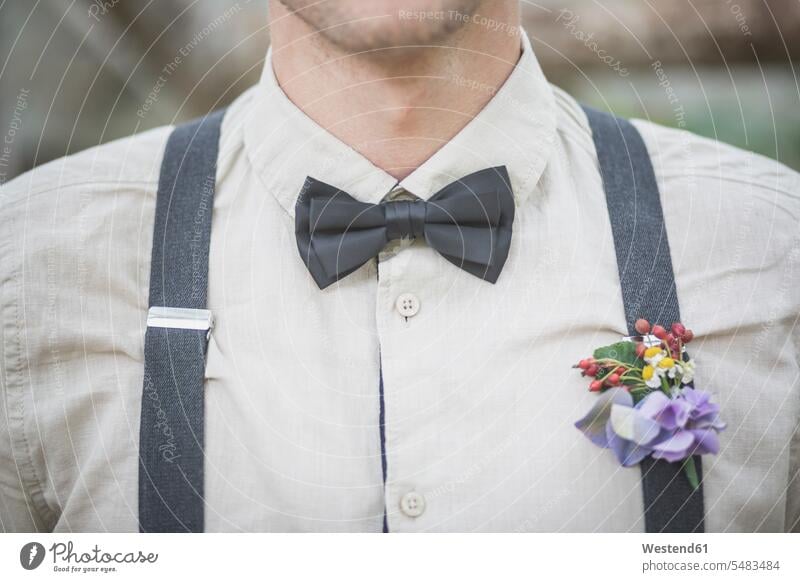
(66, 559)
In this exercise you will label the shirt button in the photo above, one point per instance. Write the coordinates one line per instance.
(412, 504)
(407, 305)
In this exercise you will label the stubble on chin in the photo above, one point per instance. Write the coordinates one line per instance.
(355, 31)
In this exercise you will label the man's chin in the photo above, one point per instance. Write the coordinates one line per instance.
(386, 27)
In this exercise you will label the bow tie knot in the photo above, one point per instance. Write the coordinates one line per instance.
(404, 218)
(468, 222)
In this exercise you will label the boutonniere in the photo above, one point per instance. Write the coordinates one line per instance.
(647, 405)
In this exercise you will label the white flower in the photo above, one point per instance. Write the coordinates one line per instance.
(660, 365)
(654, 381)
(655, 359)
(687, 371)
(652, 376)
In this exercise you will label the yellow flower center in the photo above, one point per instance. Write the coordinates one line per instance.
(666, 363)
(647, 373)
(651, 352)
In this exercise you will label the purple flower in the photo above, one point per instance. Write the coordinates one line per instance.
(666, 428)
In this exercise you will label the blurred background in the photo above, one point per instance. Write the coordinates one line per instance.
(81, 72)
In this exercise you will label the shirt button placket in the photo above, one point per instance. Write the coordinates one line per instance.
(397, 307)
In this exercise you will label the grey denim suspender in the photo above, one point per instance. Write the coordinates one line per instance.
(645, 266)
(171, 434)
(171, 495)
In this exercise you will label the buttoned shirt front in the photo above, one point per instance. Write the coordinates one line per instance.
(474, 422)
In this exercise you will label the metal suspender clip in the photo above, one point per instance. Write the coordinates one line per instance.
(181, 318)
(648, 340)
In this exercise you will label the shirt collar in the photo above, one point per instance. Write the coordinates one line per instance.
(515, 129)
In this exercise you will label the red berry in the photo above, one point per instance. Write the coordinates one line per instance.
(613, 379)
(687, 336)
(583, 364)
(592, 370)
(596, 386)
(642, 326)
(640, 350)
(620, 370)
(659, 332)
(678, 329)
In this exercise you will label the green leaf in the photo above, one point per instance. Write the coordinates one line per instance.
(624, 352)
(691, 472)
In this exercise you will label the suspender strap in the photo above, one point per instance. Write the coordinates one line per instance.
(648, 291)
(171, 437)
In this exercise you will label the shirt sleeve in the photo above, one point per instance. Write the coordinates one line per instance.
(793, 492)
(17, 512)
(793, 487)
(74, 257)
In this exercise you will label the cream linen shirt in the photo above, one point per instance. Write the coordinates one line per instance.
(480, 397)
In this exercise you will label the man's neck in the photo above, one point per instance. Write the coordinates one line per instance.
(396, 107)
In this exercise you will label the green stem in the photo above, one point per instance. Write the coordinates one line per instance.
(631, 372)
(611, 362)
(691, 472)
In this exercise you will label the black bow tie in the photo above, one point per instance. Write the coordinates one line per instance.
(468, 222)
